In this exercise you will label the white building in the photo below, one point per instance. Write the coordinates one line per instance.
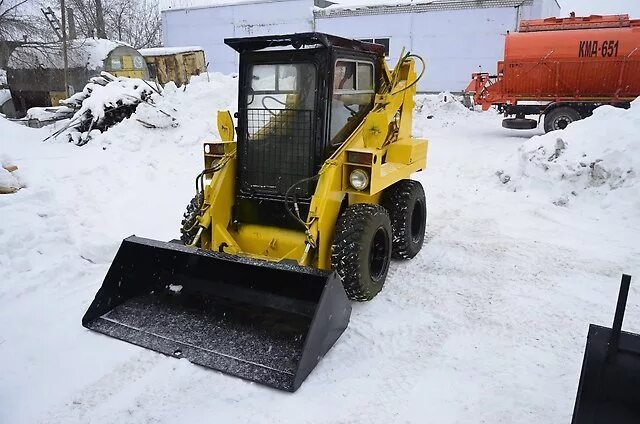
(455, 37)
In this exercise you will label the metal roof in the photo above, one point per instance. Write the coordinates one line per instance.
(373, 7)
(299, 40)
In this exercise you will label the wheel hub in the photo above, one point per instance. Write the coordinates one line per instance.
(417, 218)
(378, 254)
(561, 123)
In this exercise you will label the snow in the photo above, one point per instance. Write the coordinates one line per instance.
(5, 94)
(191, 4)
(486, 325)
(586, 161)
(3, 77)
(339, 4)
(166, 51)
(121, 90)
(87, 52)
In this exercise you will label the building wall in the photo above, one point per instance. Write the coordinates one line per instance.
(207, 27)
(454, 43)
(546, 8)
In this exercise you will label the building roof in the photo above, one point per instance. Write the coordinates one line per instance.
(351, 7)
(87, 53)
(377, 7)
(199, 4)
(168, 51)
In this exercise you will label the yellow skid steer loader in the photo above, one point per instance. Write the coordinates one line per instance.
(300, 212)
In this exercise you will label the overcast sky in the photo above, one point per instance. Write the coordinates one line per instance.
(601, 7)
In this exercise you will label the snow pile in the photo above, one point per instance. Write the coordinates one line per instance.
(187, 114)
(10, 178)
(441, 110)
(491, 270)
(5, 94)
(598, 155)
(104, 101)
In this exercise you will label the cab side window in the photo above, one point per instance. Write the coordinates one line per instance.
(353, 93)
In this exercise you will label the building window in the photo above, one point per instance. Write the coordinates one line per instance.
(384, 41)
(116, 64)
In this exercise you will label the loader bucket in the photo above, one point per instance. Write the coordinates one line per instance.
(261, 321)
(609, 389)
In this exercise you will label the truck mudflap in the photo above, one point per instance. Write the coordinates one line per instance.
(266, 322)
(609, 389)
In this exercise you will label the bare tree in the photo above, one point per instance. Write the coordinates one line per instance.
(135, 22)
(14, 23)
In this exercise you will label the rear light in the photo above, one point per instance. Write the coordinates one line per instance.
(214, 148)
(361, 158)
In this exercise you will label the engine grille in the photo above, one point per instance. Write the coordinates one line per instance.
(278, 151)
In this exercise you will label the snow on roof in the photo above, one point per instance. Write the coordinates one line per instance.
(87, 52)
(196, 4)
(348, 7)
(167, 51)
(329, 6)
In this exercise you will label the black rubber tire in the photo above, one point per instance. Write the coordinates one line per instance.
(189, 224)
(519, 123)
(559, 118)
(407, 206)
(361, 250)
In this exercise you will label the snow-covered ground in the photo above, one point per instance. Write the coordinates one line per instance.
(486, 325)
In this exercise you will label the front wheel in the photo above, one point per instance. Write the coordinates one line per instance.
(361, 250)
(189, 224)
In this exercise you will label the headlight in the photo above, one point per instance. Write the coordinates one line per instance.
(359, 179)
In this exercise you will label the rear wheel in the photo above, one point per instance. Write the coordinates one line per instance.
(361, 250)
(559, 118)
(407, 206)
(189, 225)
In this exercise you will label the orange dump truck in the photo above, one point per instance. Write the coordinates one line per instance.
(563, 68)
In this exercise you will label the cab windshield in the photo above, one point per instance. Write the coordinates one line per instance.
(280, 115)
(275, 87)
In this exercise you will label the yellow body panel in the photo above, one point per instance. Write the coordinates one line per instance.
(385, 134)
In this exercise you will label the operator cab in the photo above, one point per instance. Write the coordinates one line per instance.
(300, 97)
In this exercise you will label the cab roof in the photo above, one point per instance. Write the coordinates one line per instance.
(299, 40)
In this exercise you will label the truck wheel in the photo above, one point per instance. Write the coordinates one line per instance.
(519, 123)
(361, 250)
(559, 118)
(189, 226)
(407, 206)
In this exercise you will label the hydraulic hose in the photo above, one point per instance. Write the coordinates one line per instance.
(296, 215)
(414, 82)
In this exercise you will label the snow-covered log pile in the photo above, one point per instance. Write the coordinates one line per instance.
(599, 154)
(104, 101)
